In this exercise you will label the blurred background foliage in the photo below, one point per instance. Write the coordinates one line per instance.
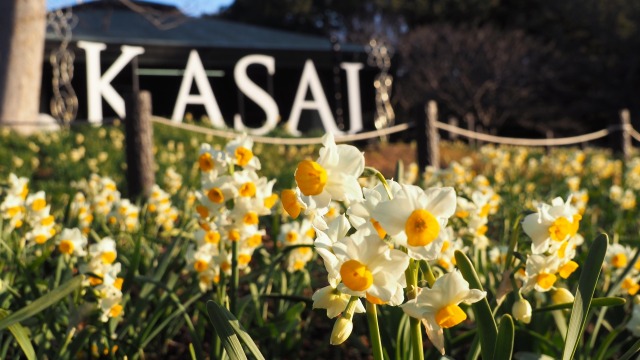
(515, 66)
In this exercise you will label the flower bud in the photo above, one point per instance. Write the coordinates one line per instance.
(341, 330)
(522, 310)
(562, 296)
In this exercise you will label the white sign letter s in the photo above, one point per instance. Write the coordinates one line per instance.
(255, 93)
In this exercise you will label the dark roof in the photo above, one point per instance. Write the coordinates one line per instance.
(114, 23)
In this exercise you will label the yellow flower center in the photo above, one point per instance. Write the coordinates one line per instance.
(445, 246)
(202, 211)
(567, 269)
(206, 162)
(450, 315)
(375, 300)
(225, 266)
(255, 240)
(40, 239)
(24, 192)
(200, 265)
(270, 200)
(243, 155)
(234, 235)
(376, 225)
(356, 276)
(311, 233)
(290, 203)
(545, 280)
(311, 177)
(108, 257)
(47, 220)
(93, 281)
(66, 247)
(215, 195)
(304, 250)
(250, 218)
(631, 286)
(117, 283)
(482, 230)
(292, 236)
(247, 189)
(152, 208)
(38, 204)
(484, 212)
(212, 237)
(115, 310)
(560, 229)
(421, 228)
(298, 265)
(619, 260)
(243, 259)
(462, 214)
(14, 210)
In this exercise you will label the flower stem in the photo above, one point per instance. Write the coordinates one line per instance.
(374, 331)
(233, 296)
(411, 274)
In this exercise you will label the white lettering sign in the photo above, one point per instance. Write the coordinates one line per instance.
(195, 71)
(353, 89)
(100, 86)
(256, 93)
(310, 80)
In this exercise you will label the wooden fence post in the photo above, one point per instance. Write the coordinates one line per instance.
(432, 134)
(427, 152)
(139, 142)
(471, 126)
(625, 122)
(453, 121)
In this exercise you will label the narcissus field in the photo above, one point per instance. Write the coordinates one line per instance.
(244, 250)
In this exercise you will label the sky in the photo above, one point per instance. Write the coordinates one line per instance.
(189, 7)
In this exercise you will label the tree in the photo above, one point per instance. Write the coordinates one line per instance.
(22, 33)
(493, 75)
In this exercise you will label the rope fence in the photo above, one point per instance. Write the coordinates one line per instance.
(571, 140)
(284, 141)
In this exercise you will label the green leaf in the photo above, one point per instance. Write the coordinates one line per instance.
(487, 328)
(42, 302)
(225, 332)
(584, 294)
(632, 351)
(22, 336)
(595, 302)
(234, 324)
(504, 344)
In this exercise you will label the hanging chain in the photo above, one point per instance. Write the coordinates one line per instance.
(380, 53)
(64, 103)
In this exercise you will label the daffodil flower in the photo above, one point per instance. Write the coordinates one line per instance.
(334, 301)
(333, 176)
(417, 219)
(541, 272)
(438, 307)
(551, 225)
(369, 268)
(72, 242)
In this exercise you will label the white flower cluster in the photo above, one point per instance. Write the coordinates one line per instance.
(553, 230)
(230, 202)
(367, 249)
